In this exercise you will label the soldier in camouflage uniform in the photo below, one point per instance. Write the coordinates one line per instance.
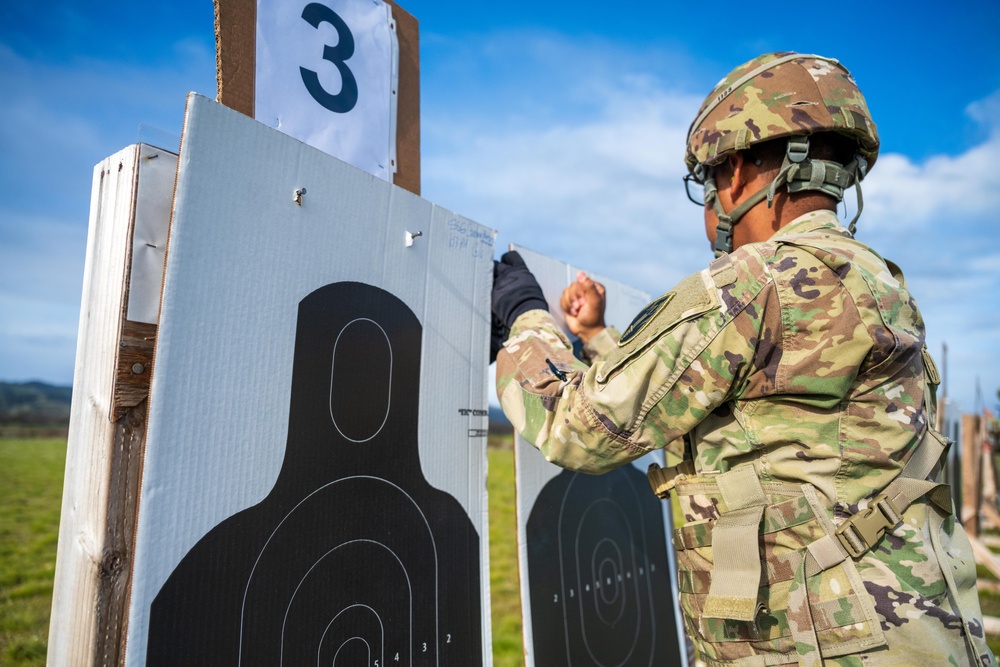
(790, 387)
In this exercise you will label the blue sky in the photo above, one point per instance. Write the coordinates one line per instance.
(559, 124)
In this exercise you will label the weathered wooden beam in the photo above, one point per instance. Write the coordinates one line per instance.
(991, 625)
(408, 106)
(988, 585)
(972, 490)
(985, 557)
(107, 424)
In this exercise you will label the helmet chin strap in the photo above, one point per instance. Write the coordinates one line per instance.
(724, 230)
(799, 174)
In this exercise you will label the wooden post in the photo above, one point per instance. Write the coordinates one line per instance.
(107, 429)
(235, 53)
(971, 482)
(235, 39)
(408, 107)
(976, 427)
(990, 506)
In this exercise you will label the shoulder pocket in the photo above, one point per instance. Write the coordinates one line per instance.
(690, 298)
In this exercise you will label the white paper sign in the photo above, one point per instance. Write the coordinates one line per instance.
(326, 74)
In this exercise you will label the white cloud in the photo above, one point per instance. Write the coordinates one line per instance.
(904, 196)
(989, 264)
(595, 179)
(561, 190)
(41, 258)
(939, 219)
(60, 120)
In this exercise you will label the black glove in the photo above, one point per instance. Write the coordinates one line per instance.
(515, 291)
(498, 334)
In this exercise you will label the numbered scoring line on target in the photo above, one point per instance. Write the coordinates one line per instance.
(424, 647)
(596, 585)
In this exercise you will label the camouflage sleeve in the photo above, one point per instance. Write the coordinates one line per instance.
(678, 360)
(601, 345)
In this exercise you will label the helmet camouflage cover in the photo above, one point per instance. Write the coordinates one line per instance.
(780, 95)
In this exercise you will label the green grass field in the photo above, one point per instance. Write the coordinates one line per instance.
(31, 474)
(505, 596)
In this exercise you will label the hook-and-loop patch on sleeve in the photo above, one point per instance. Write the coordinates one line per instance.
(692, 297)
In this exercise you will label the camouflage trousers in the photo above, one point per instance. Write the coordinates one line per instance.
(910, 600)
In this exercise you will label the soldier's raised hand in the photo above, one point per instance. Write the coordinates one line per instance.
(584, 302)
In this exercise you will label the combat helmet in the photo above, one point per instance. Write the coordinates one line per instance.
(775, 96)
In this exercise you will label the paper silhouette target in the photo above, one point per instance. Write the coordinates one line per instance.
(353, 558)
(598, 583)
(598, 572)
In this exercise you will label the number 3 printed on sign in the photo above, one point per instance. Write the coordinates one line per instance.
(315, 14)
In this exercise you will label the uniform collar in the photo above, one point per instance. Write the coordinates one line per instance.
(821, 219)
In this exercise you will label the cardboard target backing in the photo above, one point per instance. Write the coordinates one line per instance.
(313, 489)
(598, 575)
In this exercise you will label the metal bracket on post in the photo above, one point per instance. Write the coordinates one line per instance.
(133, 367)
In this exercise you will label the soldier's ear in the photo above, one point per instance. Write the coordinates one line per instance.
(740, 174)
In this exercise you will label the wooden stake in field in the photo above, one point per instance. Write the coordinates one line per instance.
(972, 490)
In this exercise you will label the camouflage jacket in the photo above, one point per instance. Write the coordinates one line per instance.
(804, 356)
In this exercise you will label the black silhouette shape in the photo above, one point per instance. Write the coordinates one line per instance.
(352, 558)
(598, 573)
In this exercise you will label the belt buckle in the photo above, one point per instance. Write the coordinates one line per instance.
(861, 531)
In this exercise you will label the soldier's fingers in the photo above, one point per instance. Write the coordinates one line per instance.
(568, 299)
(512, 258)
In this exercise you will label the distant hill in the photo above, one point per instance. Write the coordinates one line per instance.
(499, 422)
(34, 403)
(38, 403)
